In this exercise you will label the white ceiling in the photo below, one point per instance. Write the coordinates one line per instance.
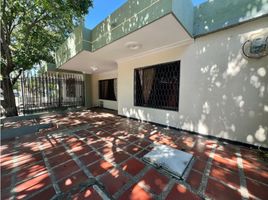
(158, 35)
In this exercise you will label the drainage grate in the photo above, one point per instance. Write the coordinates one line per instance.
(172, 160)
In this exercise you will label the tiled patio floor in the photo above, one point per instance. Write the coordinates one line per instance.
(99, 155)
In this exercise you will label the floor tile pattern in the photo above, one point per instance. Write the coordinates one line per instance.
(98, 155)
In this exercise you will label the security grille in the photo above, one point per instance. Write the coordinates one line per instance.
(48, 91)
(158, 86)
(70, 87)
(107, 89)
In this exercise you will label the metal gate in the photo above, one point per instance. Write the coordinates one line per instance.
(49, 91)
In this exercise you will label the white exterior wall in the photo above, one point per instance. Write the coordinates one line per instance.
(221, 92)
(95, 89)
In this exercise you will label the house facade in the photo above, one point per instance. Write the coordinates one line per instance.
(202, 69)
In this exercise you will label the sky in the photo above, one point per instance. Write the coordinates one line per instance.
(103, 8)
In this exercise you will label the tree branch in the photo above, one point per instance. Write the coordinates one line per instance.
(14, 80)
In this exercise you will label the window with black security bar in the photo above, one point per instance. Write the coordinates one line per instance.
(107, 89)
(70, 87)
(158, 86)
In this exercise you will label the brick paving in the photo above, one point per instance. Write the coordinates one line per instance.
(98, 155)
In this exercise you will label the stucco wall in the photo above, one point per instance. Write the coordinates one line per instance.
(95, 89)
(221, 92)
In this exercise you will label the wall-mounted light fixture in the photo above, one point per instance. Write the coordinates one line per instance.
(256, 48)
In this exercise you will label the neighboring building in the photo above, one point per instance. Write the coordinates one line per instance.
(208, 70)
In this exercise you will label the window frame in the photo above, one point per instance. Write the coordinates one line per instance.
(99, 84)
(70, 88)
(155, 66)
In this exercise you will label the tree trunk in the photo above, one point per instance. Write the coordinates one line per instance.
(9, 103)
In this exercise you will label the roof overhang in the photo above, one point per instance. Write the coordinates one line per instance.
(151, 24)
(159, 35)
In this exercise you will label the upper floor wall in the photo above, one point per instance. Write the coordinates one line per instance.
(210, 16)
(215, 15)
(132, 16)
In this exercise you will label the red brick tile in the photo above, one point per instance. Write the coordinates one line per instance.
(59, 159)
(100, 167)
(44, 195)
(142, 153)
(71, 139)
(92, 138)
(131, 138)
(98, 144)
(119, 133)
(194, 179)
(226, 154)
(54, 151)
(166, 140)
(82, 133)
(31, 171)
(181, 192)
(113, 181)
(256, 174)
(118, 157)
(65, 169)
(28, 159)
(6, 170)
(32, 185)
(156, 137)
(249, 154)
(73, 145)
(155, 181)
(107, 149)
(109, 138)
(7, 160)
(257, 189)
(217, 190)
(186, 142)
(120, 143)
(202, 155)
(89, 158)
(132, 166)
(133, 149)
(49, 143)
(230, 149)
(136, 193)
(5, 181)
(199, 165)
(143, 143)
(100, 133)
(247, 163)
(71, 181)
(5, 195)
(225, 163)
(82, 150)
(225, 176)
(88, 194)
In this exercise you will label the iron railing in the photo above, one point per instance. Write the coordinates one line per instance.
(48, 91)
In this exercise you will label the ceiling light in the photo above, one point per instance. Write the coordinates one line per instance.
(133, 45)
(94, 68)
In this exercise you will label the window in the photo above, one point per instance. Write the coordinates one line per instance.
(158, 86)
(70, 87)
(107, 89)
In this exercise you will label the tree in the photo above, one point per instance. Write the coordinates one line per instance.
(31, 30)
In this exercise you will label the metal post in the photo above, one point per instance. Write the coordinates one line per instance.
(22, 92)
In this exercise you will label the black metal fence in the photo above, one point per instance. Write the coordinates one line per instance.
(48, 91)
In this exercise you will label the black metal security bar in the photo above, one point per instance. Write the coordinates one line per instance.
(158, 86)
(48, 91)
